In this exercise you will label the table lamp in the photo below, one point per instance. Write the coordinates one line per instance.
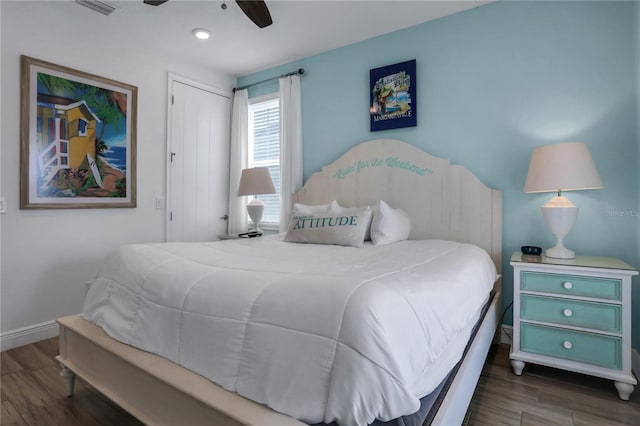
(556, 168)
(256, 181)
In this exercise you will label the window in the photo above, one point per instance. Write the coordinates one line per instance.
(264, 151)
(82, 127)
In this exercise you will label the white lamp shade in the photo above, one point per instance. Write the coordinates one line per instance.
(256, 181)
(562, 167)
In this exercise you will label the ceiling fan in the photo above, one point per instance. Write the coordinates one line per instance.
(256, 10)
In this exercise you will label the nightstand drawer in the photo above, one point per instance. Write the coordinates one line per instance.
(575, 285)
(595, 349)
(597, 316)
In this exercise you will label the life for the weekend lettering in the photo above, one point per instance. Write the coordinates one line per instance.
(393, 162)
(344, 172)
(311, 222)
(406, 165)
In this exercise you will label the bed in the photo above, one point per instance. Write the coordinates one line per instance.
(448, 206)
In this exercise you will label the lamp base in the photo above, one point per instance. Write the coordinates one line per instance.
(255, 208)
(560, 252)
(560, 214)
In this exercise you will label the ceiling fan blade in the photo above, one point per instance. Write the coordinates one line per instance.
(155, 2)
(257, 11)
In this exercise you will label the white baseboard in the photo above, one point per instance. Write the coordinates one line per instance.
(26, 335)
(635, 362)
(506, 333)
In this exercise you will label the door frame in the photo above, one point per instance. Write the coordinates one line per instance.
(171, 77)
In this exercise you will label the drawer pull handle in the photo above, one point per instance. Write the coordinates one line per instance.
(567, 285)
(567, 344)
(567, 312)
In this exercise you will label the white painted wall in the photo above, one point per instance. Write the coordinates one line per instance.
(48, 255)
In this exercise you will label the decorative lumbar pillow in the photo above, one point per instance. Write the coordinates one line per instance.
(389, 225)
(374, 209)
(308, 209)
(339, 226)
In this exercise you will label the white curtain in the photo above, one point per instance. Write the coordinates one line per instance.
(291, 145)
(237, 161)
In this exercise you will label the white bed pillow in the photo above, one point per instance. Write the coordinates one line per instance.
(337, 225)
(374, 210)
(389, 225)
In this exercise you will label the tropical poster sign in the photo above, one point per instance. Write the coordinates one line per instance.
(78, 139)
(393, 96)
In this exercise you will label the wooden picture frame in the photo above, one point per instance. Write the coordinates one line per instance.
(392, 96)
(78, 139)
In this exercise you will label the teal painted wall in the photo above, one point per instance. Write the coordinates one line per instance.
(493, 83)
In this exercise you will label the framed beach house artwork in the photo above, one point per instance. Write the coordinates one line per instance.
(78, 139)
(392, 91)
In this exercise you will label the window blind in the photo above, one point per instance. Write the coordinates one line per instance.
(264, 151)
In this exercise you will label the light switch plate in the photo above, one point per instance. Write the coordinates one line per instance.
(159, 203)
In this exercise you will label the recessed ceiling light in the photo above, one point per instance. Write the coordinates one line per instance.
(201, 33)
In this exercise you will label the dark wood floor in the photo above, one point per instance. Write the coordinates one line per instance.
(546, 396)
(33, 394)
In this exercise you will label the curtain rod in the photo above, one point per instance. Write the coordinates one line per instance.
(297, 72)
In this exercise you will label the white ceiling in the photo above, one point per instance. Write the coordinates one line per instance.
(300, 28)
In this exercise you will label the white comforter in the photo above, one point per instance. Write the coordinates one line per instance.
(321, 333)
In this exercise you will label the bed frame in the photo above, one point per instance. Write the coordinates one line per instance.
(444, 201)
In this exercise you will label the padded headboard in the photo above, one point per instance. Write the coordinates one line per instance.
(444, 201)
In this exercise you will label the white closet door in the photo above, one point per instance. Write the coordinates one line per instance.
(198, 179)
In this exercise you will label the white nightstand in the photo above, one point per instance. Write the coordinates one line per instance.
(574, 314)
